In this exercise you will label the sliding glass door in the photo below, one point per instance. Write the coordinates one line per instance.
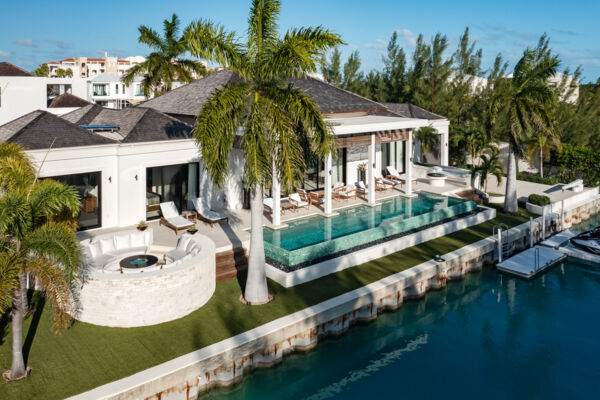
(314, 175)
(90, 193)
(177, 183)
(393, 154)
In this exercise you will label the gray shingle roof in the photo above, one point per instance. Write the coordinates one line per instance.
(189, 99)
(68, 100)
(408, 110)
(39, 129)
(8, 69)
(135, 124)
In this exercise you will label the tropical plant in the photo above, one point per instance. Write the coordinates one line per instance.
(42, 70)
(165, 64)
(473, 139)
(490, 165)
(540, 143)
(331, 69)
(524, 101)
(37, 220)
(275, 118)
(428, 138)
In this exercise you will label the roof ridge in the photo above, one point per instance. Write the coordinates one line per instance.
(34, 120)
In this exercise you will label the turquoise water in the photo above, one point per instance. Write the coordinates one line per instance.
(487, 336)
(308, 231)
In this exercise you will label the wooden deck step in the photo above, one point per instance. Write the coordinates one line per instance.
(230, 263)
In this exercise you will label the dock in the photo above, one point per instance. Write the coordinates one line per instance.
(532, 261)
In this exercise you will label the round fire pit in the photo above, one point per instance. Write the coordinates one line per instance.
(436, 178)
(138, 261)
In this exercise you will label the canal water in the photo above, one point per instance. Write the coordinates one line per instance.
(487, 336)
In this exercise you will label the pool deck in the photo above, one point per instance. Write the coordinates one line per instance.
(234, 234)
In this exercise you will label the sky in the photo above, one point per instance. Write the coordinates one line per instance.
(41, 31)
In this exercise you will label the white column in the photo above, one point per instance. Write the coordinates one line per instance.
(443, 145)
(276, 192)
(328, 184)
(408, 165)
(370, 174)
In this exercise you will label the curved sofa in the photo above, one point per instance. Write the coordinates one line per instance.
(149, 295)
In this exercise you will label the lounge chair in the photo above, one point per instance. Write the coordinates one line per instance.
(268, 205)
(362, 188)
(345, 193)
(206, 214)
(304, 196)
(338, 186)
(386, 181)
(315, 199)
(381, 185)
(393, 174)
(171, 218)
(295, 199)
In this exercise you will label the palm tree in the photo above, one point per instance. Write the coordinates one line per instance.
(37, 239)
(490, 165)
(540, 143)
(524, 100)
(428, 137)
(274, 117)
(166, 63)
(475, 140)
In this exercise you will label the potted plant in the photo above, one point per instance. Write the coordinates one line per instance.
(142, 225)
(192, 229)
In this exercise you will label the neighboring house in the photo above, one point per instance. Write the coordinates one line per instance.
(109, 91)
(84, 67)
(22, 93)
(66, 103)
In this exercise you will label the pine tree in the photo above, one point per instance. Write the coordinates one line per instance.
(331, 69)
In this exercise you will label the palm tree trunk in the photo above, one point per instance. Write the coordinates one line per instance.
(510, 200)
(17, 369)
(541, 162)
(256, 290)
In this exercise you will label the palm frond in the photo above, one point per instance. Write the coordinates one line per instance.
(262, 26)
(10, 271)
(256, 144)
(51, 200)
(216, 128)
(15, 214)
(55, 288)
(56, 243)
(211, 42)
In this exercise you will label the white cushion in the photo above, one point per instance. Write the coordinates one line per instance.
(191, 244)
(94, 249)
(122, 242)
(169, 210)
(107, 245)
(179, 221)
(138, 239)
(183, 242)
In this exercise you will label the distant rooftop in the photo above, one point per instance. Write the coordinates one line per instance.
(8, 69)
(67, 100)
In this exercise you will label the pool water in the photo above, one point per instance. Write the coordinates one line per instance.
(308, 231)
(488, 336)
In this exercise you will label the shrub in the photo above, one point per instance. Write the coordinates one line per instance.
(529, 177)
(539, 199)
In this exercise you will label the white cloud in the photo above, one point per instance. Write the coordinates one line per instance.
(25, 42)
(408, 36)
(5, 54)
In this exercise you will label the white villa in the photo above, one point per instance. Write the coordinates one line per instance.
(126, 163)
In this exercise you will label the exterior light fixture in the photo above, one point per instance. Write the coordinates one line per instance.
(136, 177)
(110, 178)
(438, 258)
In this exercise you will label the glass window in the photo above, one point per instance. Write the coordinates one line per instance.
(101, 90)
(177, 183)
(88, 187)
(392, 154)
(117, 88)
(314, 175)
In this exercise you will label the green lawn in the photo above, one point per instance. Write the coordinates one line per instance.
(86, 356)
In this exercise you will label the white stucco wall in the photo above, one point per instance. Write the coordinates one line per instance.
(124, 196)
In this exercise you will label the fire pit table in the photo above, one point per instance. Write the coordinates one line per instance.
(138, 261)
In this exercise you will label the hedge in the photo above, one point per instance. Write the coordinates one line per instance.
(538, 199)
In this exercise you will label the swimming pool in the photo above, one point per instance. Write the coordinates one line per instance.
(487, 336)
(310, 238)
